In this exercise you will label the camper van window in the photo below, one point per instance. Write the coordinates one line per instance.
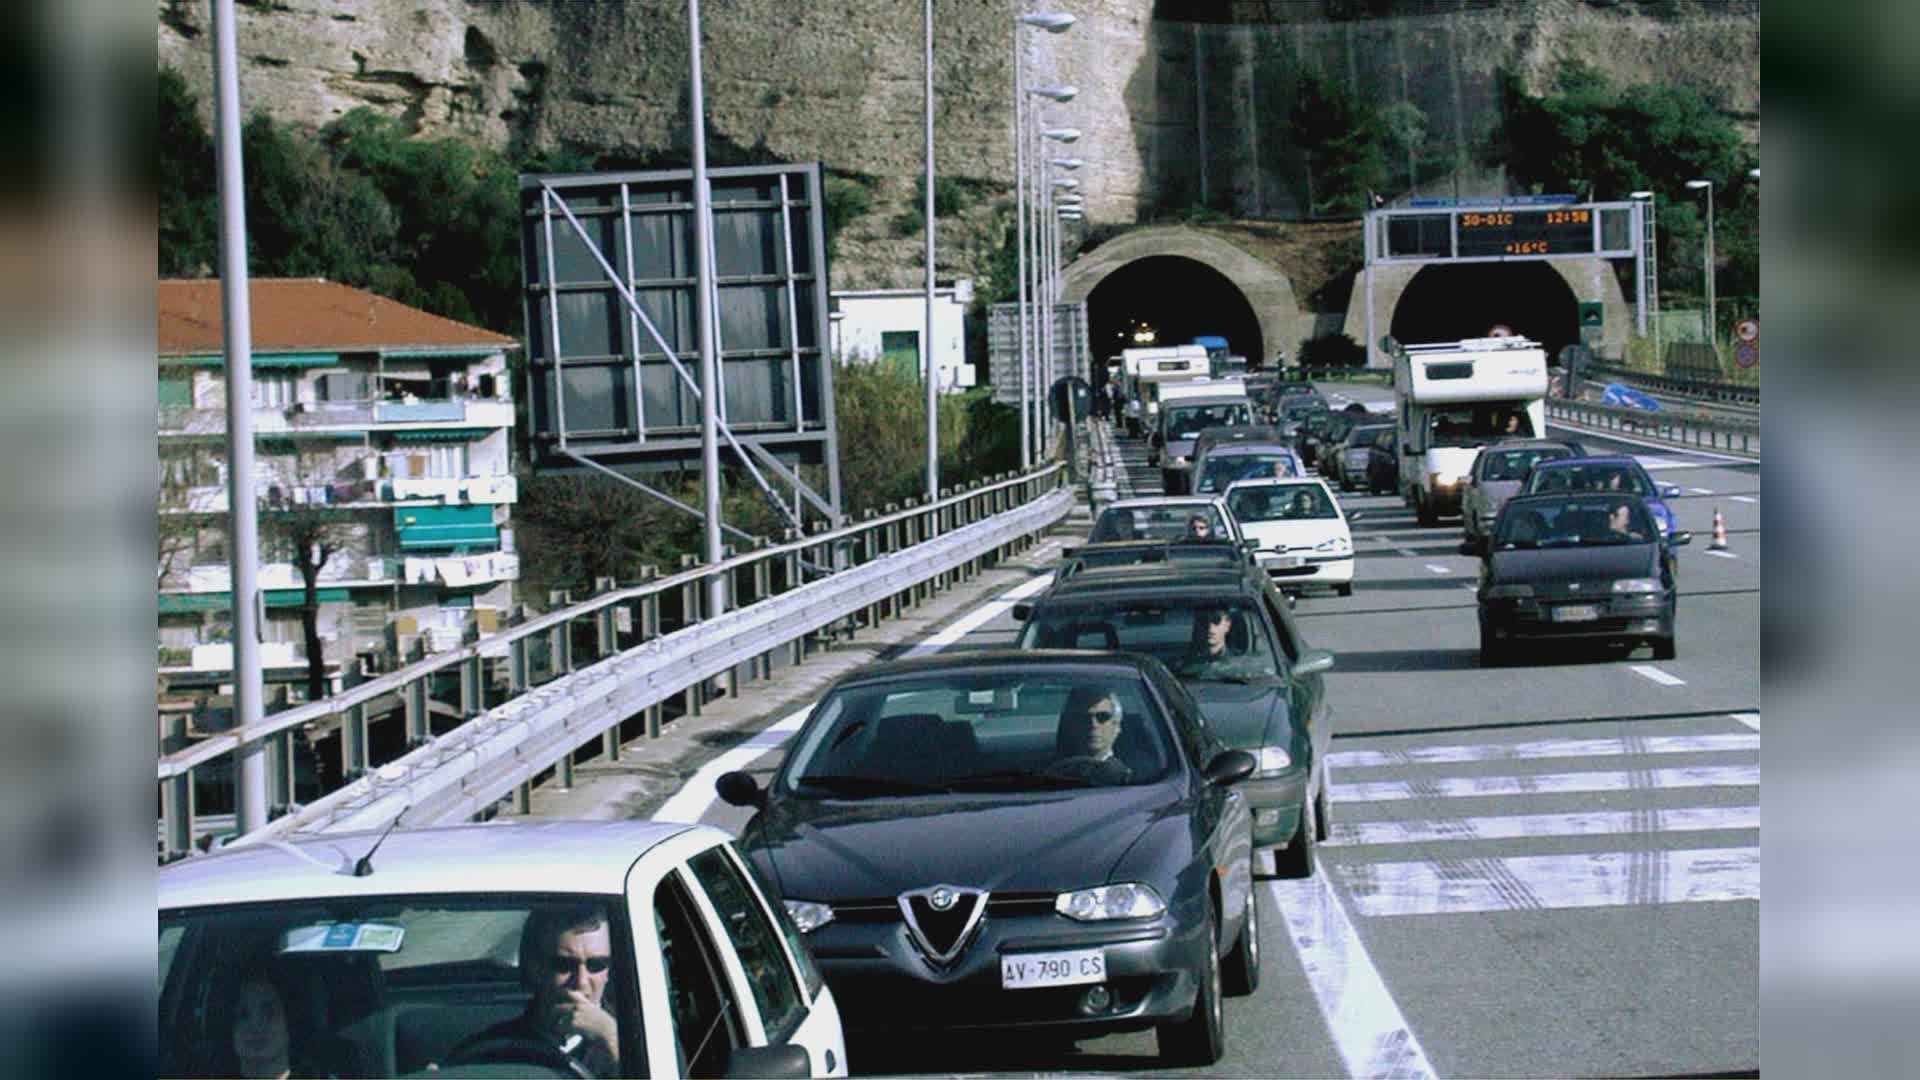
(1479, 424)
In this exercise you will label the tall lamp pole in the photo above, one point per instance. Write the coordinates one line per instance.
(1053, 23)
(1650, 280)
(933, 370)
(1712, 325)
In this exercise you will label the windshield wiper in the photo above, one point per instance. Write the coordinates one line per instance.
(870, 785)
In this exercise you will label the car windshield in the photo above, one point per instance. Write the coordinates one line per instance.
(1155, 522)
(1221, 469)
(1188, 421)
(1620, 477)
(1581, 522)
(1361, 437)
(377, 987)
(1006, 729)
(1477, 424)
(1197, 637)
(1281, 502)
(1499, 465)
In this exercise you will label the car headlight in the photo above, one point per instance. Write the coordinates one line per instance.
(1510, 592)
(1444, 479)
(1335, 545)
(1180, 460)
(1275, 759)
(1637, 585)
(809, 916)
(1128, 900)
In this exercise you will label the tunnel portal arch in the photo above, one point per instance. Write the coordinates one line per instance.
(1538, 298)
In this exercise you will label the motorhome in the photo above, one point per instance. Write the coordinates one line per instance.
(1456, 397)
(1150, 368)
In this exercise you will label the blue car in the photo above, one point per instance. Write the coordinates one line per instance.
(1618, 472)
(1627, 397)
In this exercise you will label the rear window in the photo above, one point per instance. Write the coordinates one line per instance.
(1275, 502)
(1577, 478)
(1508, 465)
(1154, 522)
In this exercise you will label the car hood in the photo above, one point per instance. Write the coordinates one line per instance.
(830, 850)
(1245, 717)
(1288, 535)
(1583, 564)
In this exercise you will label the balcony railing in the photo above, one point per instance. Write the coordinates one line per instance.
(285, 495)
(304, 415)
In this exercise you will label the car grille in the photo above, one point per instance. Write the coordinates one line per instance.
(884, 909)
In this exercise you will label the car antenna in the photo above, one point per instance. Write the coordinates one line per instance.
(364, 867)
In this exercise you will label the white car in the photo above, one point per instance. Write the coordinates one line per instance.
(433, 952)
(1300, 528)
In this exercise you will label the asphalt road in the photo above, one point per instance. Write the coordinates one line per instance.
(1545, 870)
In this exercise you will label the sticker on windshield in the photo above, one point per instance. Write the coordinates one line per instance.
(343, 937)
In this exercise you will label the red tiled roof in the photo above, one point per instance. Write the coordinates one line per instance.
(294, 314)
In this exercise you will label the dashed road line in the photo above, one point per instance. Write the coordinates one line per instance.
(1662, 677)
(1534, 826)
(1576, 783)
(1743, 498)
(1438, 569)
(1723, 554)
(1751, 719)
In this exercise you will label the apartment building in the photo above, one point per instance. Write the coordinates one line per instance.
(381, 431)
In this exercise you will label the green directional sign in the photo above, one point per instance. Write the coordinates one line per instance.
(1592, 314)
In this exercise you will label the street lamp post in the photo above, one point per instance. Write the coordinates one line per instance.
(1043, 284)
(1650, 276)
(926, 342)
(1712, 326)
(1053, 23)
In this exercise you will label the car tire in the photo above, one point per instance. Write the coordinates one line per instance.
(1666, 648)
(1298, 859)
(1493, 652)
(1343, 589)
(1200, 1039)
(1322, 809)
(1424, 513)
(1240, 973)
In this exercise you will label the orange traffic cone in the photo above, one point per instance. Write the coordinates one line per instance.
(1719, 532)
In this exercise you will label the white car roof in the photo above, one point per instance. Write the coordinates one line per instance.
(1163, 500)
(1278, 481)
(588, 857)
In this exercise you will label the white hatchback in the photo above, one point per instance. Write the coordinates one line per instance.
(1300, 528)
(566, 949)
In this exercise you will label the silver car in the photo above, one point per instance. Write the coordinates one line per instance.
(1497, 475)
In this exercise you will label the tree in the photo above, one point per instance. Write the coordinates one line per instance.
(189, 208)
(308, 537)
(1340, 133)
(1406, 125)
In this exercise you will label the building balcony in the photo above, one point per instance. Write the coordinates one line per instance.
(345, 572)
(489, 490)
(323, 416)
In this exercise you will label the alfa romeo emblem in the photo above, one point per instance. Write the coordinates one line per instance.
(942, 899)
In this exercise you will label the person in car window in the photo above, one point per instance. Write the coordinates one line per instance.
(566, 959)
(262, 1036)
(1302, 505)
(1620, 524)
(1198, 527)
(1090, 725)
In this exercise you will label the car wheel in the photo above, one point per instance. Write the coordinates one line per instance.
(1240, 974)
(1493, 652)
(1322, 809)
(1297, 859)
(1200, 1039)
(1345, 589)
(1666, 648)
(1425, 513)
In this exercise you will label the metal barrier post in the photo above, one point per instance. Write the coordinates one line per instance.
(523, 798)
(730, 682)
(472, 693)
(869, 551)
(176, 813)
(413, 697)
(695, 695)
(353, 740)
(649, 630)
(566, 769)
(762, 590)
(280, 778)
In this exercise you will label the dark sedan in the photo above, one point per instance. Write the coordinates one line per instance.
(995, 839)
(1563, 567)
(1260, 688)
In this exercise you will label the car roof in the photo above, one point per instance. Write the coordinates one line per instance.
(1542, 498)
(1240, 432)
(1594, 459)
(1242, 449)
(1151, 578)
(586, 857)
(1150, 501)
(976, 658)
(1280, 481)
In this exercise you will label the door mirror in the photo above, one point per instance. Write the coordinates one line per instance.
(1313, 662)
(740, 789)
(1230, 767)
(1022, 612)
(1680, 539)
(769, 1061)
(1669, 491)
(1068, 552)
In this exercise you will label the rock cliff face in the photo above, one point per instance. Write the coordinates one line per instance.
(840, 81)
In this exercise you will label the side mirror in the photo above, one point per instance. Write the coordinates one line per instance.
(1669, 491)
(1068, 552)
(1249, 545)
(1680, 539)
(769, 1061)
(740, 789)
(1022, 612)
(1230, 767)
(1313, 662)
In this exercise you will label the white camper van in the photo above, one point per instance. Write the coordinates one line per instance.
(1456, 397)
(1147, 369)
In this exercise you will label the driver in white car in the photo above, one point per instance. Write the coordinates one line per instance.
(566, 959)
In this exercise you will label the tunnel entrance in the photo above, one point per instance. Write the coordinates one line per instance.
(1447, 303)
(1179, 298)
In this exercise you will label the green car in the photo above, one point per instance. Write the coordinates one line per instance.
(1229, 637)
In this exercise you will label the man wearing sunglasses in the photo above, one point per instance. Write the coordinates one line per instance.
(566, 960)
(1090, 725)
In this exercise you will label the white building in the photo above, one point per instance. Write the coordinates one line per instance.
(389, 426)
(886, 325)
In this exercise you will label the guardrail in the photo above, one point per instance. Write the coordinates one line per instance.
(870, 570)
(1703, 389)
(1721, 433)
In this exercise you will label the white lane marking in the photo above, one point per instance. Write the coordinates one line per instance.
(974, 619)
(1554, 882)
(1367, 1026)
(1474, 589)
(1617, 437)
(1467, 787)
(1654, 673)
(1723, 554)
(1743, 498)
(1408, 552)
(697, 795)
(1701, 491)
(1751, 719)
(1529, 826)
(1542, 749)
(1438, 569)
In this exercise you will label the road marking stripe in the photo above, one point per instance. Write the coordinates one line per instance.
(1438, 569)
(1467, 787)
(1751, 719)
(697, 795)
(981, 615)
(1409, 553)
(1743, 498)
(1654, 673)
(1723, 554)
(1528, 826)
(1554, 882)
(1367, 1026)
(1474, 589)
(1546, 748)
(1701, 491)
